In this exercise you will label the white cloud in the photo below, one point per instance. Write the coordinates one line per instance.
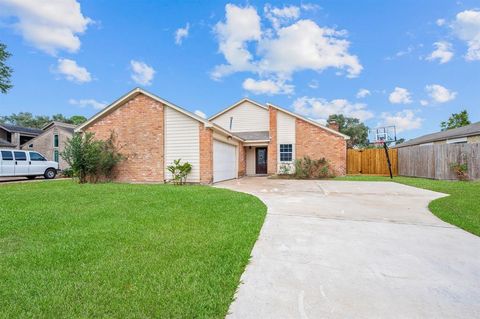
(142, 73)
(313, 84)
(467, 27)
(181, 33)
(48, 25)
(403, 121)
(200, 113)
(320, 109)
(72, 71)
(363, 93)
(443, 52)
(280, 16)
(440, 22)
(440, 94)
(290, 47)
(424, 102)
(88, 102)
(400, 96)
(269, 87)
(241, 26)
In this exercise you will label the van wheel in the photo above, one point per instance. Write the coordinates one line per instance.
(50, 173)
(31, 177)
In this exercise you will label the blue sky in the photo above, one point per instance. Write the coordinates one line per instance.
(405, 63)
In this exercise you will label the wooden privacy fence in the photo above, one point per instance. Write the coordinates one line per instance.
(433, 161)
(371, 162)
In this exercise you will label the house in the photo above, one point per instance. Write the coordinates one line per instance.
(51, 142)
(465, 134)
(13, 136)
(247, 138)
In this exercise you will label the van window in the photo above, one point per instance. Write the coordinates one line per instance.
(7, 155)
(20, 156)
(34, 156)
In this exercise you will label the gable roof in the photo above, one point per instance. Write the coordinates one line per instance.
(237, 104)
(20, 129)
(309, 121)
(68, 126)
(464, 131)
(131, 95)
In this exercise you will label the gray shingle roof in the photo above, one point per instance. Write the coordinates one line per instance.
(464, 131)
(253, 136)
(5, 143)
(21, 129)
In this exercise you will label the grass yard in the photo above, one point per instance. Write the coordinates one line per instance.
(461, 208)
(122, 251)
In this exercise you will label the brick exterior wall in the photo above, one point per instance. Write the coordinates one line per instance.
(139, 128)
(206, 154)
(242, 160)
(316, 142)
(272, 145)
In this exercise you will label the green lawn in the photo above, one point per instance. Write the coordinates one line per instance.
(122, 251)
(461, 208)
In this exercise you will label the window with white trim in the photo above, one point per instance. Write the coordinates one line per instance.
(286, 152)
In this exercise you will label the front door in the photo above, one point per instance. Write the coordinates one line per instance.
(261, 160)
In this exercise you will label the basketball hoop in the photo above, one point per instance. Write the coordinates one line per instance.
(381, 137)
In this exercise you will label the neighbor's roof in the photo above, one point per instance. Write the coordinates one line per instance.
(309, 121)
(20, 129)
(69, 127)
(464, 131)
(5, 143)
(253, 136)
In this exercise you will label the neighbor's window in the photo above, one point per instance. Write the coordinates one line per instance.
(286, 153)
(36, 157)
(55, 140)
(7, 156)
(55, 156)
(20, 156)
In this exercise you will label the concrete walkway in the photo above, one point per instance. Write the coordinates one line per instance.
(331, 249)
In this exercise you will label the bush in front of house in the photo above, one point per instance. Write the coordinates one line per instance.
(179, 171)
(306, 168)
(92, 160)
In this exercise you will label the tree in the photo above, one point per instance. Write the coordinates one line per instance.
(5, 70)
(77, 119)
(352, 127)
(456, 120)
(400, 141)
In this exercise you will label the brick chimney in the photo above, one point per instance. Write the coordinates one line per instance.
(333, 125)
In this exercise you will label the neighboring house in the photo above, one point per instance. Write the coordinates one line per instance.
(465, 134)
(51, 142)
(247, 138)
(13, 136)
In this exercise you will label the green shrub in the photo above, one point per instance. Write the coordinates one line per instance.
(91, 160)
(308, 168)
(179, 171)
(68, 172)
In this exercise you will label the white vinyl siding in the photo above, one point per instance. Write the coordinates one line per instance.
(250, 160)
(246, 117)
(285, 134)
(182, 141)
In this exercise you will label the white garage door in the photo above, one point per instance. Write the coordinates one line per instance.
(224, 161)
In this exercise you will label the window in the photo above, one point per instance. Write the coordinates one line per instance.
(55, 155)
(55, 140)
(20, 156)
(286, 152)
(30, 146)
(7, 156)
(36, 157)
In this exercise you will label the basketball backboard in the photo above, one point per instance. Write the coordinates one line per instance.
(383, 134)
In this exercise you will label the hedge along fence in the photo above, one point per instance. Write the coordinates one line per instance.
(435, 161)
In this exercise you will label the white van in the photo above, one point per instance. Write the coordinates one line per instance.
(26, 163)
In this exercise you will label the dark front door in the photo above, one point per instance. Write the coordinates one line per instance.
(261, 160)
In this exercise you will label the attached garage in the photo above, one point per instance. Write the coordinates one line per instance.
(224, 161)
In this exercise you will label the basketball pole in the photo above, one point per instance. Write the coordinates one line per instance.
(385, 147)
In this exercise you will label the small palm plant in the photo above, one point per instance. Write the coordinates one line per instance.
(179, 171)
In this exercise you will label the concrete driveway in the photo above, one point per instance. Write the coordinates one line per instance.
(332, 249)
